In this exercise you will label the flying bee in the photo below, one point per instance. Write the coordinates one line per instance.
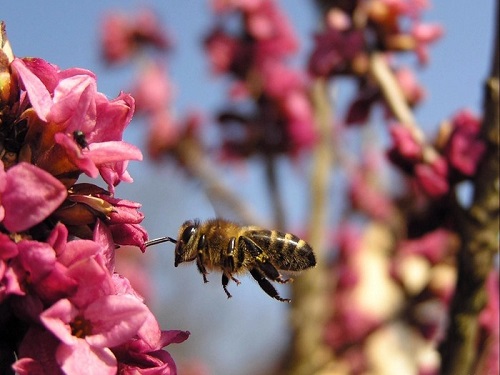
(220, 244)
(80, 139)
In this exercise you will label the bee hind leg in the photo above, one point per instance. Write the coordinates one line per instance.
(272, 273)
(266, 285)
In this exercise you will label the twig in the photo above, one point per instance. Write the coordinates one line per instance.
(272, 183)
(310, 303)
(393, 95)
(190, 154)
(479, 234)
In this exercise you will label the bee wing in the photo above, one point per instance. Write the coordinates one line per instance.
(286, 251)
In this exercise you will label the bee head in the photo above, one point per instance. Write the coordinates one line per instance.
(186, 249)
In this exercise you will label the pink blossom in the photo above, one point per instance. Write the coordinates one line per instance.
(70, 102)
(86, 333)
(424, 34)
(29, 196)
(334, 51)
(433, 177)
(153, 90)
(129, 234)
(405, 143)
(413, 92)
(222, 50)
(138, 357)
(434, 246)
(406, 152)
(164, 133)
(465, 149)
(122, 37)
(268, 25)
(366, 194)
(39, 267)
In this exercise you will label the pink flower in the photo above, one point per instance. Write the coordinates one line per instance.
(424, 34)
(38, 266)
(365, 191)
(465, 149)
(28, 196)
(434, 246)
(334, 51)
(223, 50)
(433, 177)
(153, 90)
(413, 92)
(123, 37)
(406, 151)
(273, 33)
(69, 101)
(86, 333)
(138, 357)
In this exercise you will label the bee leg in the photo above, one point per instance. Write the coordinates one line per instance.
(199, 258)
(228, 259)
(225, 281)
(271, 272)
(266, 285)
(262, 261)
(201, 268)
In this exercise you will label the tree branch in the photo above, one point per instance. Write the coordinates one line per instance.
(310, 300)
(479, 234)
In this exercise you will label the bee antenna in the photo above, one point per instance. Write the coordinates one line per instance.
(157, 241)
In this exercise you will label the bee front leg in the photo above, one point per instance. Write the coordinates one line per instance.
(199, 258)
(266, 285)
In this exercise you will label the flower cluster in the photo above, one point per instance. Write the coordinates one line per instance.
(355, 30)
(460, 150)
(277, 116)
(395, 273)
(124, 38)
(386, 303)
(62, 303)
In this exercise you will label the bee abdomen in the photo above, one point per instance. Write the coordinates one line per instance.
(285, 250)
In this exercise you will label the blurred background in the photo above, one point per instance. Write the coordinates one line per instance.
(248, 333)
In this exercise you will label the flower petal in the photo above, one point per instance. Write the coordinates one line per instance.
(30, 196)
(115, 319)
(81, 358)
(57, 318)
(37, 92)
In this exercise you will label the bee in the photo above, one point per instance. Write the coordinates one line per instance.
(80, 139)
(219, 244)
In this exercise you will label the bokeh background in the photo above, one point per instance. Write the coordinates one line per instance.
(247, 334)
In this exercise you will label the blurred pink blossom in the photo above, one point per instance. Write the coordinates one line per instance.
(123, 37)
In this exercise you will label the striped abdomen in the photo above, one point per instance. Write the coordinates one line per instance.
(285, 250)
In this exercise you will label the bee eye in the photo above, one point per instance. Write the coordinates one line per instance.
(188, 233)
